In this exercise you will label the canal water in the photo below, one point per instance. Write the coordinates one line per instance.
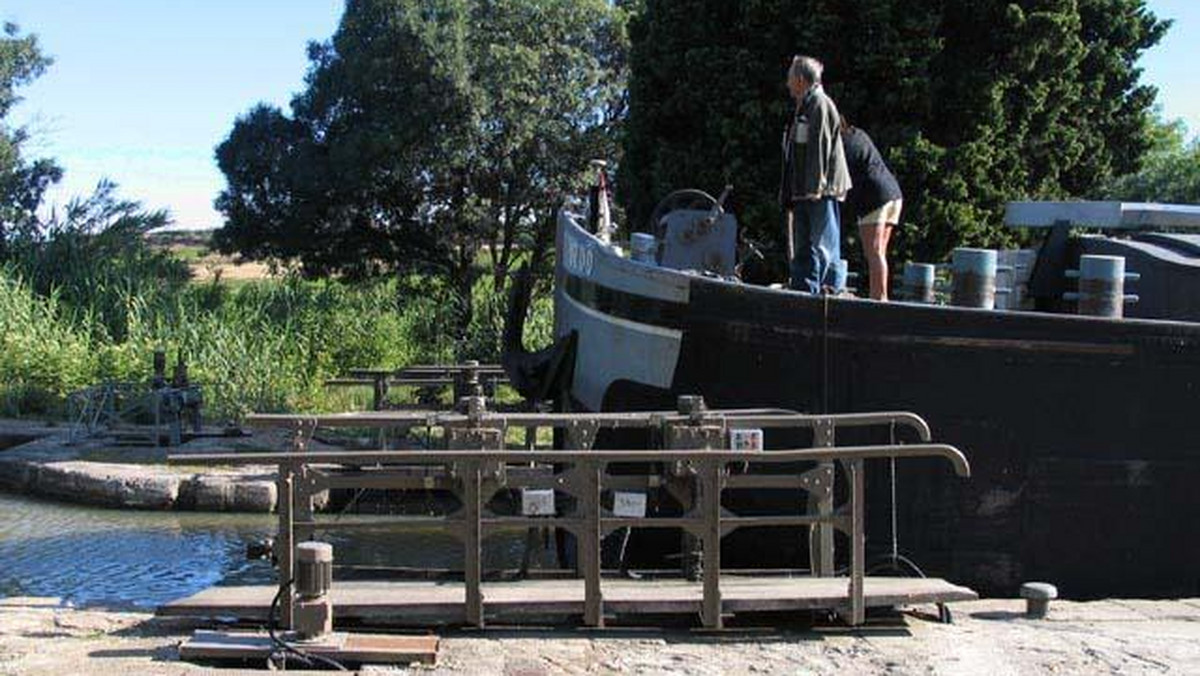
(139, 559)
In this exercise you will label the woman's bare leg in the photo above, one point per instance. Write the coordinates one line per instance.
(875, 239)
(886, 241)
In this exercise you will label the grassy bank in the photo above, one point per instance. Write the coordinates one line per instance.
(264, 345)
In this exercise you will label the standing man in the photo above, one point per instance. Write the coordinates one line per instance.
(815, 181)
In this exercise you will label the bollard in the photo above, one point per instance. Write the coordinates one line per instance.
(643, 247)
(974, 278)
(918, 282)
(1037, 597)
(1101, 286)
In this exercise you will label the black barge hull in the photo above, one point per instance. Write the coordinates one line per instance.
(1083, 433)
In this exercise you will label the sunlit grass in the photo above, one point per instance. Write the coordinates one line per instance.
(261, 346)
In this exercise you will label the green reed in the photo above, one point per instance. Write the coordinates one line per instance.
(260, 346)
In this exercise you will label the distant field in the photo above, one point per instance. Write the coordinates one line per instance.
(193, 247)
(215, 266)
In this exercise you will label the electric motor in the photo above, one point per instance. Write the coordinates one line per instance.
(314, 569)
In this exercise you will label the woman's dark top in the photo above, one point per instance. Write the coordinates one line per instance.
(873, 184)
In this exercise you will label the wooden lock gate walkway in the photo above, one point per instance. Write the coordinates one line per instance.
(693, 468)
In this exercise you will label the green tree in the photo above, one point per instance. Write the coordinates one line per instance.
(973, 102)
(1171, 172)
(429, 132)
(22, 182)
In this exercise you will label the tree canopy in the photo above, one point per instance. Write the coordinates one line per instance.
(1170, 173)
(23, 182)
(972, 102)
(428, 131)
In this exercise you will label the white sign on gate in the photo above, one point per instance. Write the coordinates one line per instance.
(629, 504)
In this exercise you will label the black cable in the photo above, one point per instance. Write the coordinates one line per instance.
(893, 562)
(286, 647)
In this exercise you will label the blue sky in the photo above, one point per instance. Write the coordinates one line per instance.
(142, 91)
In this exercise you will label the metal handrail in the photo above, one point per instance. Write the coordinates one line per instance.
(475, 472)
(956, 458)
(733, 418)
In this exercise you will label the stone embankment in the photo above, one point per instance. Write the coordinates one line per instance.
(46, 462)
(139, 486)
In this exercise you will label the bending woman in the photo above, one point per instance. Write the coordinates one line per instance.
(876, 200)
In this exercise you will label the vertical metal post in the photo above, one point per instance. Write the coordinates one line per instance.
(302, 494)
(284, 491)
(593, 598)
(473, 565)
(820, 547)
(710, 507)
(857, 542)
(156, 402)
(381, 390)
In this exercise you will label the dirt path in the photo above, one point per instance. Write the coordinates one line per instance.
(989, 637)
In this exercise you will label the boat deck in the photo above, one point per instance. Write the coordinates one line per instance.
(438, 602)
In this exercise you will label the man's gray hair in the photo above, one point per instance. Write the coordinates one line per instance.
(806, 68)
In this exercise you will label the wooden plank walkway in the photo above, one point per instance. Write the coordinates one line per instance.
(352, 648)
(422, 601)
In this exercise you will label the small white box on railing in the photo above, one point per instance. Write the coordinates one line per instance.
(745, 440)
(537, 501)
(629, 504)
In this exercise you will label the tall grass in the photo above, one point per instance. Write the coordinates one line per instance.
(85, 299)
(259, 346)
(41, 355)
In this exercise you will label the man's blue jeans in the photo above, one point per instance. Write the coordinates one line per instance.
(818, 259)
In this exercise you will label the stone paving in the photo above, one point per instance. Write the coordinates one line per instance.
(990, 637)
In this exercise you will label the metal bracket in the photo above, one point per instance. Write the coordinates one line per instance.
(818, 481)
(302, 433)
(823, 432)
(581, 434)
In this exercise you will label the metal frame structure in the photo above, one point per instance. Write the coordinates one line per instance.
(114, 407)
(695, 469)
(467, 379)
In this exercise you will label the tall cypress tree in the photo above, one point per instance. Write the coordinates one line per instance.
(973, 102)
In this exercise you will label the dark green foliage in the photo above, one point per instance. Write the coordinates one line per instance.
(972, 102)
(428, 132)
(22, 182)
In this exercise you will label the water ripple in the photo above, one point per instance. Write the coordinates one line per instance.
(89, 556)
